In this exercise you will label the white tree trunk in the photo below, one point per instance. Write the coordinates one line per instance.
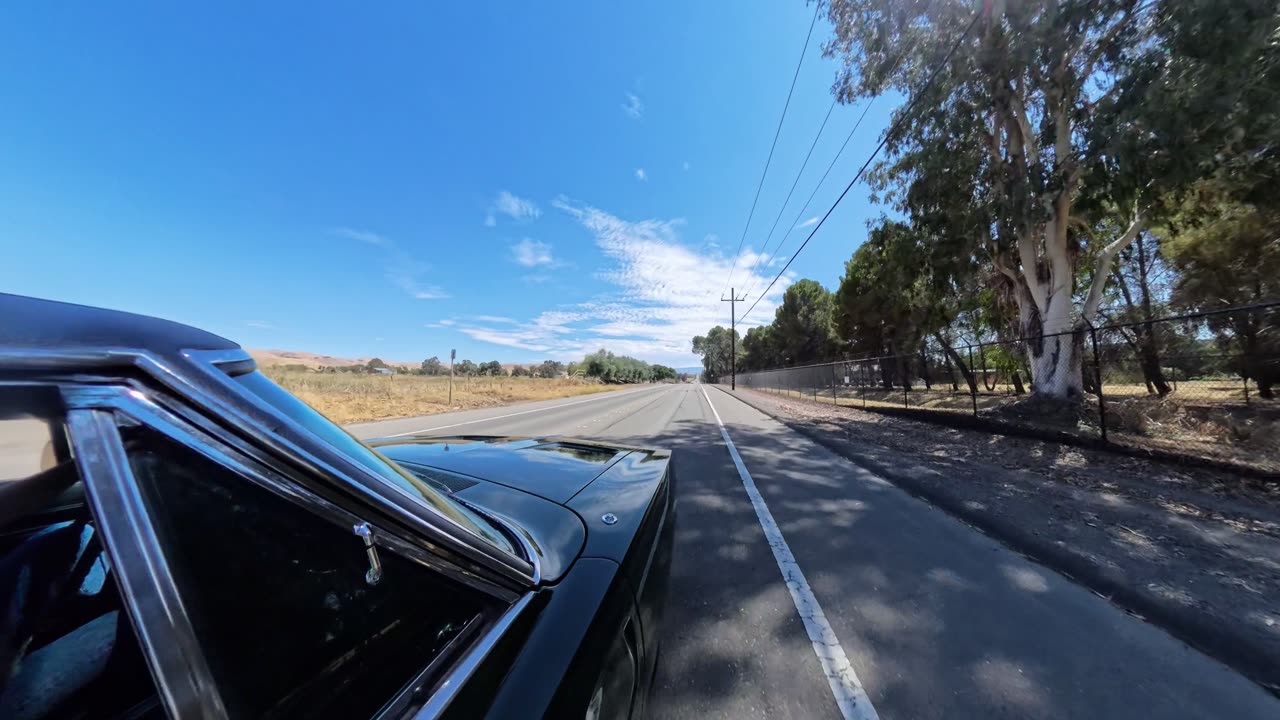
(1053, 344)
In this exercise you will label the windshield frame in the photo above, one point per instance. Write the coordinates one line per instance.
(264, 389)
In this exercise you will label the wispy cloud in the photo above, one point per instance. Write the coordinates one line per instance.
(811, 221)
(498, 319)
(402, 269)
(417, 291)
(641, 175)
(531, 253)
(448, 323)
(633, 107)
(363, 236)
(514, 207)
(663, 293)
(260, 325)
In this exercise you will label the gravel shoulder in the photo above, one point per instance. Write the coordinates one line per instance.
(1195, 551)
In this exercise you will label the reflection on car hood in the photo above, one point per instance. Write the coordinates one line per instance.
(552, 468)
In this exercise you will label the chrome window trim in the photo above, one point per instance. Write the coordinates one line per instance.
(198, 380)
(159, 619)
(239, 457)
(451, 684)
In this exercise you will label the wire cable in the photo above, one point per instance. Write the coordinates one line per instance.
(776, 133)
(817, 187)
(883, 141)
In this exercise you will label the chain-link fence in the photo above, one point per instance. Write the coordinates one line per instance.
(1201, 384)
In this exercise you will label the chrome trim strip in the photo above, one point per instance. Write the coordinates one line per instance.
(159, 618)
(220, 357)
(211, 390)
(240, 458)
(447, 690)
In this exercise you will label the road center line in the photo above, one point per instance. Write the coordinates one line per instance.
(845, 686)
(601, 396)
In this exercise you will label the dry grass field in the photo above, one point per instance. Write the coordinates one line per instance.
(349, 397)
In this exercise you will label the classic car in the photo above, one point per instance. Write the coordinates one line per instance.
(180, 536)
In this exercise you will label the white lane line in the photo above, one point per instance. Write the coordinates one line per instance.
(601, 396)
(849, 693)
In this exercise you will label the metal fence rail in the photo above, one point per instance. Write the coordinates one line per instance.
(1201, 384)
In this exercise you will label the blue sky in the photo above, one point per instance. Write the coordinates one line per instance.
(517, 181)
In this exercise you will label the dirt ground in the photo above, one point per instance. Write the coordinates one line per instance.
(1195, 550)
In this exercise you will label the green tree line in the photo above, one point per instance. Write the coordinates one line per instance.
(1074, 164)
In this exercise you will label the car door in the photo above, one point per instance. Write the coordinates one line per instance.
(68, 646)
(251, 595)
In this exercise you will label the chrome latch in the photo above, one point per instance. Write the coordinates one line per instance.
(374, 574)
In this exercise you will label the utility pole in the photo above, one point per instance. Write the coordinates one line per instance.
(733, 301)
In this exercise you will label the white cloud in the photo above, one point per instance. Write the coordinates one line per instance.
(663, 293)
(634, 107)
(514, 207)
(420, 292)
(363, 236)
(811, 221)
(401, 268)
(495, 319)
(261, 325)
(447, 323)
(531, 253)
(641, 175)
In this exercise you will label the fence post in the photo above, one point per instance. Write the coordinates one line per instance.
(1097, 376)
(835, 400)
(973, 386)
(815, 385)
(865, 373)
(1246, 388)
(905, 402)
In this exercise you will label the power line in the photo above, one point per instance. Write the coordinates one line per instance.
(892, 129)
(839, 153)
(776, 133)
(817, 187)
(796, 182)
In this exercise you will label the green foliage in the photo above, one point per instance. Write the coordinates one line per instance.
(520, 371)
(433, 366)
(716, 349)
(493, 368)
(465, 367)
(549, 369)
(803, 323)
(607, 367)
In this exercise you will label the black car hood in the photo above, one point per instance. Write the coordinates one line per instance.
(552, 468)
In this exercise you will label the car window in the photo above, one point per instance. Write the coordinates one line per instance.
(303, 414)
(67, 645)
(278, 597)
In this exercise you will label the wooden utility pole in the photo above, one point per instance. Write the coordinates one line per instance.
(733, 301)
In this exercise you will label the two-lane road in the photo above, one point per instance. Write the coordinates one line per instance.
(806, 587)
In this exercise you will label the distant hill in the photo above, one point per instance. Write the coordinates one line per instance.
(313, 360)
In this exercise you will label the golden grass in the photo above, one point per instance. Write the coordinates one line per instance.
(349, 397)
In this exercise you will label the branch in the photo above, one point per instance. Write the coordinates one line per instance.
(1024, 127)
(1109, 35)
(1031, 269)
(1103, 269)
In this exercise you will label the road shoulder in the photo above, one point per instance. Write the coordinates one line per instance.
(1147, 537)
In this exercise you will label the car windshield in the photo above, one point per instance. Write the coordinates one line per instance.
(262, 387)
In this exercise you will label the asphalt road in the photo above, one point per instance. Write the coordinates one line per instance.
(935, 619)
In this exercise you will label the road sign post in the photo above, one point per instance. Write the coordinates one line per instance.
(452, 354)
